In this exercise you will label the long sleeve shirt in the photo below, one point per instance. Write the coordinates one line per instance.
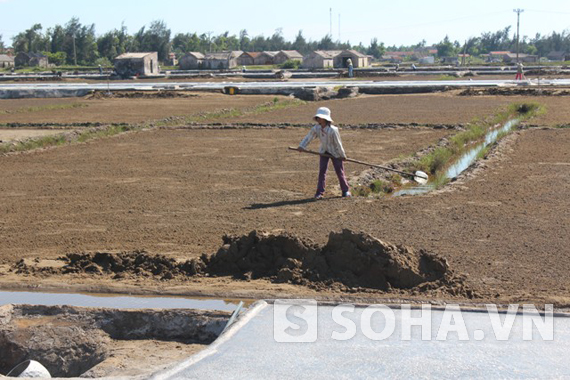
(330, 140)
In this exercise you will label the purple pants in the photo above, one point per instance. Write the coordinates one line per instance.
(338, 168)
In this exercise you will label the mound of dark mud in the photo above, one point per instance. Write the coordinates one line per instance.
(348, 262)
(140, 95)
(123, 264)
(513, 91)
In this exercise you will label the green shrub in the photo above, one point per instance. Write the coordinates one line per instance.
(396, 179)
(379, 186)
(473, 133)
(436, 160)
(361, 191)
(291, 64)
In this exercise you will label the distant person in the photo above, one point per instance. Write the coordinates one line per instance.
(330, 145)
(414, 67)
(397, 67)
(520, 72)
(350, 68)
(100, 70)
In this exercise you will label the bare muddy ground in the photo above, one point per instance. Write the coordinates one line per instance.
(178, 192)
(439, 108)
(173, 191)
(116, 110)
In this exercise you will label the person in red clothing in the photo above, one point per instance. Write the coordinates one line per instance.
(330, 145)
(520, 73)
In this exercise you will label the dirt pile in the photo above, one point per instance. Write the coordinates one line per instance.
(348, 262)
(140, 95)
(325, 93)
(120, 265)
(513, 91)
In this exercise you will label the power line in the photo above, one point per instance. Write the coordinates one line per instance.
(551, 12)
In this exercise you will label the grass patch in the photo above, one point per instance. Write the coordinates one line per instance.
(446, 77)
(376, 187)
(484, 152)
(44, 108)
(440, 180)
(474, 132)
(103, 132)
(361, 191)
(526, 111)
(435, 162)
(379, 186)
(37, 143)
(65, 138)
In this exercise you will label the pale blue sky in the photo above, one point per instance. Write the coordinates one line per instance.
(392, 22)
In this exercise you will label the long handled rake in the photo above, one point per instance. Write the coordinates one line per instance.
(419, 176)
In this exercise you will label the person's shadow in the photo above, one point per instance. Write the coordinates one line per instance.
(257, 206)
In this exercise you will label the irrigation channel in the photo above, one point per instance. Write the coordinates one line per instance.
(118, 301)
(464, 161)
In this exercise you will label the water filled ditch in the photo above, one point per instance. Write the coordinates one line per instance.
(464, 161)
(117, 301)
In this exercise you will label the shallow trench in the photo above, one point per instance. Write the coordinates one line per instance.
(463, 162)
(71, 341)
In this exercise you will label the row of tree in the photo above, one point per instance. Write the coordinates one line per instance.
(75, 43)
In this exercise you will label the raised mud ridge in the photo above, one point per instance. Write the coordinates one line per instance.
(514, 91)
(348, 262)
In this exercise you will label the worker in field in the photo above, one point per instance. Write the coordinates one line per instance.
(520, 72)
(350, 68)
(331, 145)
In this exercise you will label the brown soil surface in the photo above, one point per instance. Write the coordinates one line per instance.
(178, 192)
(440, 108)
(170, 191)
(118, 110)
(348, 262)
(22, 134)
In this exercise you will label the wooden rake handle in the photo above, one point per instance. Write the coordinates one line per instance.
(355, 161)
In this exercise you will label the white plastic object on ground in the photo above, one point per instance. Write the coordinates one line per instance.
(30, 369)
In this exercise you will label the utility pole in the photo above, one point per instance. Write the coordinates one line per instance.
(74, 52)
(339, 27)
(518, 11)
(210, 40)
(330, 17)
